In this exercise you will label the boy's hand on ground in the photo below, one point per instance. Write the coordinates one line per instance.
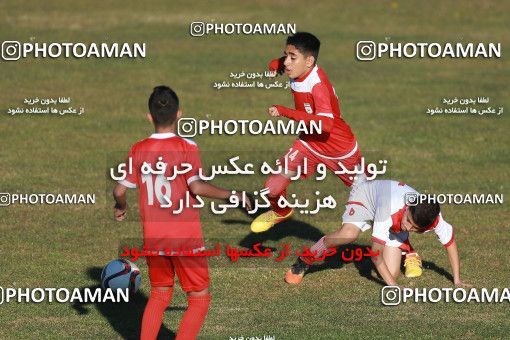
(273, 111)
(119, 213)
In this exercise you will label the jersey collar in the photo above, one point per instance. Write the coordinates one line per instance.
(304, 76)
(396, 219)
(162, 135)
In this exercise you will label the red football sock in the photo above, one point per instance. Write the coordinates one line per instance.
(274, 203)
(193, 317)
(153, 314)
(277, 185)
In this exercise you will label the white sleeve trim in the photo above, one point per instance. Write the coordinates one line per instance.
(330, 115)
(127, 184)
(334, 158)
(192, 179)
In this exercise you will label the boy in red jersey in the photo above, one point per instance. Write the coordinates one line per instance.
(315, 101)
(161, 228)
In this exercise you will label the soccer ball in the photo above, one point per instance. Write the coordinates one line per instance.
(121, 274)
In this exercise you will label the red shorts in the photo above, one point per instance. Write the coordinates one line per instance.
(192, 271)
(298, 152)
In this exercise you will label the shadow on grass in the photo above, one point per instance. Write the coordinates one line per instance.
(439, 270)
(284, 229)
(365, 267)
(305, 231)
(125, 318)
(308, 232)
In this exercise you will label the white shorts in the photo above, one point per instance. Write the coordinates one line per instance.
(358, 209)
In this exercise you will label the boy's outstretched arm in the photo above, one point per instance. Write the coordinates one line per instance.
(381, 266)
(205, 189)
(120, 208)
(453, 257)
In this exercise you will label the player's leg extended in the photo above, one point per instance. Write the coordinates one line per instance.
(276, 185)
(298, 161)
(348, 233)
(194, 317)
(412, 261)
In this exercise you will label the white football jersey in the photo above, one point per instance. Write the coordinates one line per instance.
(381, 204)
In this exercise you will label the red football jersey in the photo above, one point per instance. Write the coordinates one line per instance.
(314, 94)
(162, 226)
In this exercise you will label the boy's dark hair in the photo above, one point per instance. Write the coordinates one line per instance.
(163, 105)
(424, 214)
(306, 43)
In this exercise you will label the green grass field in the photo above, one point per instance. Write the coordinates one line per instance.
(384, 101)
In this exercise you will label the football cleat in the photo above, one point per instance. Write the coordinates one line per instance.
(413, 265)
(267, 220)
(297, 272)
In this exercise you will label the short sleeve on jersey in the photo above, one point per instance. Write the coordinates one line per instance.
(444, 232)
(193, 158)
(132, 171)
(322, 102)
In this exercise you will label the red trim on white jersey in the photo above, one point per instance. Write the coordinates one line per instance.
(357, 203)
(396, 220)
(378, 240)
(449, 243)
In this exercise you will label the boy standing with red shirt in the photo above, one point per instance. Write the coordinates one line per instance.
(162, 229)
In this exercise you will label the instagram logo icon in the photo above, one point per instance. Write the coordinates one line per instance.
(390, 295)
(11, 50)
(197, 29)
(365, 50)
